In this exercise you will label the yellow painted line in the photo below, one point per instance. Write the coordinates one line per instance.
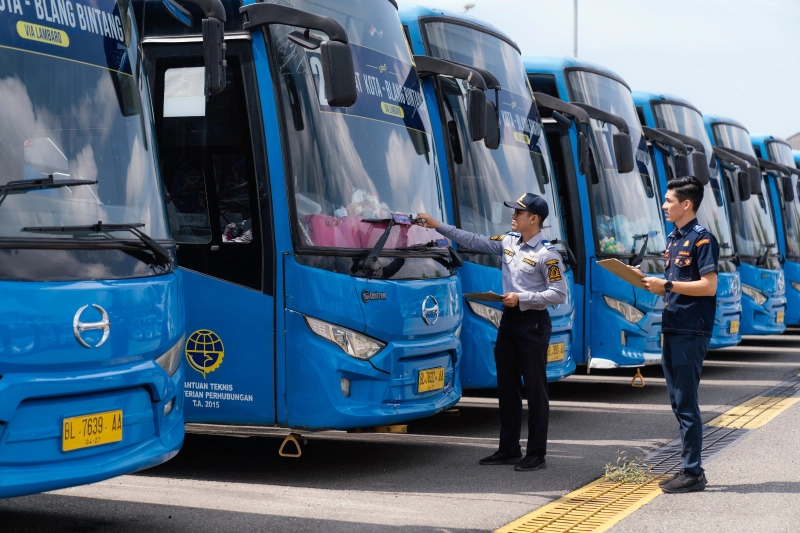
(590, 509)
(753, 413)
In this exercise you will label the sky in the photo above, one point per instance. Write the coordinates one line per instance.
(735, 58)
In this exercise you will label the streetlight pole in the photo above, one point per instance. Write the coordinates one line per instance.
(575, 29)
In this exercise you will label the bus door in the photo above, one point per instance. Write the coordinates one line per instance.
(213, 167)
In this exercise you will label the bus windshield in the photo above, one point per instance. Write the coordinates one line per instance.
(485, 178)
(352, 168)
(782, 153)
(712, 213)
(753, 225)
(626, 207)
(74, 113)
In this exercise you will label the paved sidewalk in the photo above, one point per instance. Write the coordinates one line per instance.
(753, 486)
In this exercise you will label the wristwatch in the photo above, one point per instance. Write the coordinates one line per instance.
(668, 286)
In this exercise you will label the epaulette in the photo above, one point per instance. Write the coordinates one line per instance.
(548, 245)
(514, 234)
(699, 228)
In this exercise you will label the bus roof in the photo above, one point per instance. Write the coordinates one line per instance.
(414, 12)
(717, 119)
(762, 138)
(558, 64)
(644, 97)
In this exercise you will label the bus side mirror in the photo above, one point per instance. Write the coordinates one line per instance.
(700, 167)
(788, 190)
(743, 181)
(492, 139)
(583, 153)
(681, 166)
(338, 74)
(623, 152)
(476, 99)
(755, 180)
(214, 55)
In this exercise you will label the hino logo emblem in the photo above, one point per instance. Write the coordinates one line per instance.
(79, 327)
(430, 310)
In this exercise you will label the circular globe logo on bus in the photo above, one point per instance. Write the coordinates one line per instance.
(204, 351)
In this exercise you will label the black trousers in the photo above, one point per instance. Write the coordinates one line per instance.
(521, 351)
(682, 361)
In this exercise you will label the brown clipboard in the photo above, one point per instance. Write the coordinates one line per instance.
(484, 296)
(617, 267)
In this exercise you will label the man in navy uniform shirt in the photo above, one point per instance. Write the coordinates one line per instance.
(690, 300)
(532, 275)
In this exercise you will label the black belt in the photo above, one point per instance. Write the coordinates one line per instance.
(516, 311)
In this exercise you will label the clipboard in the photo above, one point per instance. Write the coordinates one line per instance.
(617, 267)
(484, 296)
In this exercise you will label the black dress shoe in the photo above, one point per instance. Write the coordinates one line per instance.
(686, 482)
(502, 458)
(531, 463)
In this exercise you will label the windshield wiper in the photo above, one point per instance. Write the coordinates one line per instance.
(440, 244)
(43, 183)
(762, 259)
(637, 259)
(160, 253)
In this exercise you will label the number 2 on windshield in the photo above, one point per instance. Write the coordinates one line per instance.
(316, 69)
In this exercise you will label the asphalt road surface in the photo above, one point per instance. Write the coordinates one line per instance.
(426, 480)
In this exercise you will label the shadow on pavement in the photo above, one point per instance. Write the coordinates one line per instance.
(775, 487)
(67, 514)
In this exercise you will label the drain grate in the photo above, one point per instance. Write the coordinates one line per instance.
(667, 459)
(753, 413)
(590, 509)
(787, 389)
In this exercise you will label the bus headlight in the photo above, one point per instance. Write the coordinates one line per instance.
(484, 311)
(352, 343)
(171, 359)
(755, 294)
(796, 285)
(630, 313)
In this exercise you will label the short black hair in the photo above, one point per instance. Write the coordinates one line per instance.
(688, 188)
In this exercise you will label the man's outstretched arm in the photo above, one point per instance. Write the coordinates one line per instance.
(471, 241)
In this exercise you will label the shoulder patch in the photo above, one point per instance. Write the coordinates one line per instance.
(497, 237)
(508, 252)
(553, 273)
(702, 242)
(531, 262)
(551, 262)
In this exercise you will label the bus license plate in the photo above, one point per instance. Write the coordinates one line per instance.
(779, 317)
(91, 430)
(734, 328)
(555, 352)
(430, 379)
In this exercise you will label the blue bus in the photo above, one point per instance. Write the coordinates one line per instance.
(612, 200)
(92, 316)
(777, 160)
(679, 119)
(753, 224)
(479, 174)
(313, 300)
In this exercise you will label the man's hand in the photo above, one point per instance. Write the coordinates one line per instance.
(511, 299)
(655, 285)
(428, 221)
